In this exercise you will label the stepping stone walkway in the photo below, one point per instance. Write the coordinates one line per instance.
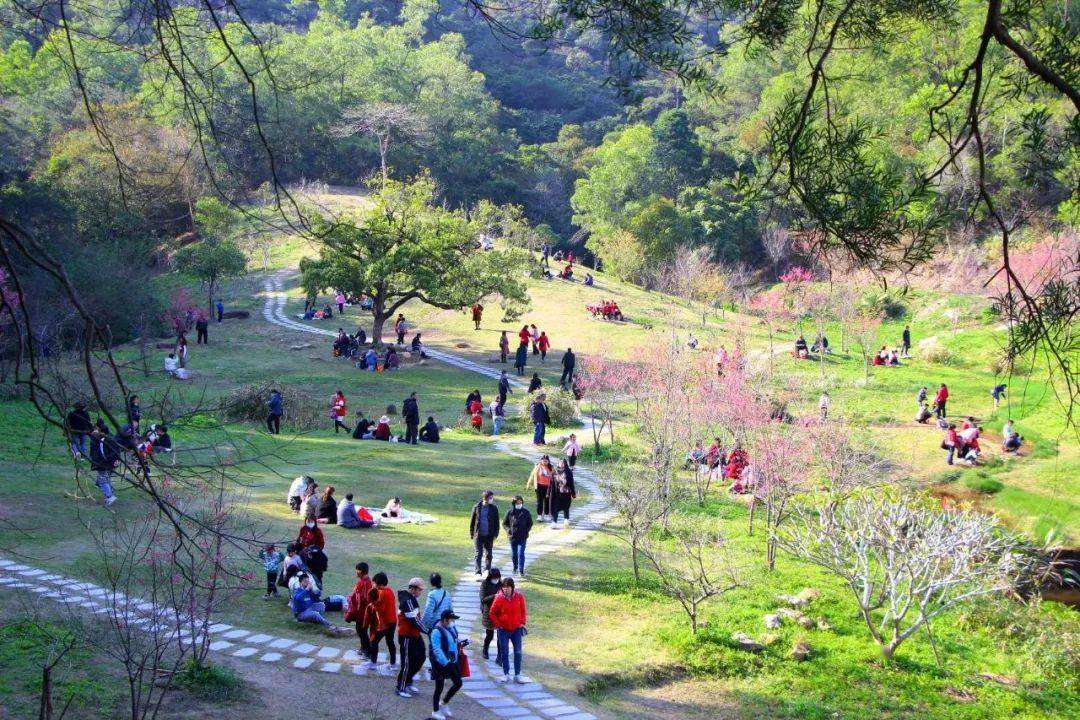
(525, 701)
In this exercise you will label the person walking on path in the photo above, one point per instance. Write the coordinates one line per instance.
(410, 632)
(274, 411)
(410, 413)
(504, 387)
(540, 479)
(509, 616)
(202, 336)
(521, 357)
(905, 342)
(357, 608)
(568, 363)
(823, 405)
(438, 602)
(571, 450)
(939, 401)
(385, 609)
(544, 343)
(504, 347)
(563, 493)
(444, 663)
(477, 314)
(104, 458)
(489, 588)
(338, 407)
(400, 328)
(484, 528)
(79, 428)
(518, 524)
(534, 336)
(540, 417)
(220, 307)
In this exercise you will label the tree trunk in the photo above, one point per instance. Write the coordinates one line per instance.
(46, 709)
(210, 297)
(634, 559)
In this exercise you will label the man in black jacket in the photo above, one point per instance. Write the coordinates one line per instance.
(504, 388)
(410, 412)
(484, 528)
(430, 431)
(104, 458)
(79, 427)
(568, 363)
(518, 523)
(410, 631)
(540, 419)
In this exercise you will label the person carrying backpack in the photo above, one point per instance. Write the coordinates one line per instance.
(443, 656)
(438, 602)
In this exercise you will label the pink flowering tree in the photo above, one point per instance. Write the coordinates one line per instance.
(602, 383)
(780, 459)
(774, 311)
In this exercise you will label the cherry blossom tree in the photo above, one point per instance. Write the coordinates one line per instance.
(602, 383)
(780, 458)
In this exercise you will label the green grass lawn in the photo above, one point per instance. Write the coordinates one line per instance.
(624, 647)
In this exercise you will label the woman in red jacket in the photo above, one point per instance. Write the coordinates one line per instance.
(543, 343)
(384, 619)
(311, 534)
(508, 615)
(358, 605)
(939, 400)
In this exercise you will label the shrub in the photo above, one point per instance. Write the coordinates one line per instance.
(983, 483)
(248, 404)
(882, 304)
(211, 682)
(562, 407)
(946, 476)
(933, 351)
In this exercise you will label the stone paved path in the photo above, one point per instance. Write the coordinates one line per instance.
(525, 701)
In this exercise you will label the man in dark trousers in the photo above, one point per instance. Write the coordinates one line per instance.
(905, 342)
(201, 329)
(220, 309)
(410, 632)
(410, 412)
(540, 417)
(504, 388)
(104, 458)
(79, 428)
(568, 363)
(484, 528)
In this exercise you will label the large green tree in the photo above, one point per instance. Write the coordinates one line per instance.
(407, 247)
(215, 256)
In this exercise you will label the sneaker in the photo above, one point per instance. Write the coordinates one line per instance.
(519, 680)
(109, 501)
(371, 665)
(503, 679)
(267, 596)
(413, 689)
(478, 571)
(445, 710)
(522, 573)
(438, 715)
(403, 694)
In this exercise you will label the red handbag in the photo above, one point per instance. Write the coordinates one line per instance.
(463, 662)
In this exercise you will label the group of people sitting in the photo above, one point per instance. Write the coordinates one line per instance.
(607, 309)
(323, 507)
(887, 357)
(732, 465)
(802, 350)
(380, 430)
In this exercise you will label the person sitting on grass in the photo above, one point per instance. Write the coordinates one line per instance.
(801, 350)
(328, 507)
(310, 534)
(535, 383)
(589, 279)
(923, 415)
(736, 463)
(1010, 439)
(821, 344)
(382, 430)
(363, 427)
(969, 439)
(418, 347)
(370, 361)
(351, 517)
(393, 508)
(308, 607)
(430, 432)
(894, 358)
(695, 457)
(171, 365)
(393, 361)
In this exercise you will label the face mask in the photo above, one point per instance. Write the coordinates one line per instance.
(518, 506)
(311, 524)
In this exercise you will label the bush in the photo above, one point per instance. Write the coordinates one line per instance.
(935, 352)
(211, 682)
(882, 303)
(248, 404)
(562, 407)
(946, 476)
(983, 483)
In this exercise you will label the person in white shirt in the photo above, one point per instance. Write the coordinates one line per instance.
(171, 365)
(296, 493)
(571, 450)
(823, 405)
(497, 415)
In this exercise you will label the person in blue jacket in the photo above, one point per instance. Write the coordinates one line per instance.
(438, 602)
(274, 411)
(444, 663)
(307, 606)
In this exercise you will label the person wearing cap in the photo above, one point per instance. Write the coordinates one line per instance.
(508, 615)
(444, 664)
(410, 632)
(438, 602)
(382, 430)
(484, 528)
